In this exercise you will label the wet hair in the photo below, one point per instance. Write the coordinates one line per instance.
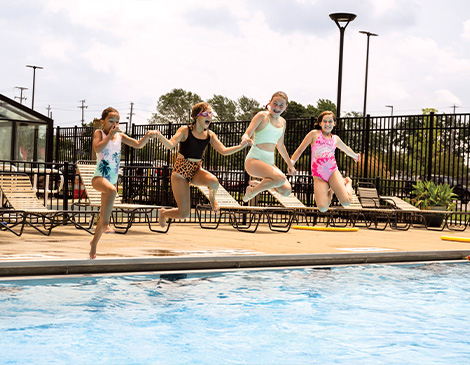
(198, 108)
(108, 110)
(322, 115)
(280, 94)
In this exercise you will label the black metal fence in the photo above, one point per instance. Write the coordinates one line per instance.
(395, 153)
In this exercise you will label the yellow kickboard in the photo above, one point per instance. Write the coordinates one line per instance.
(334, 229)
(458, 239)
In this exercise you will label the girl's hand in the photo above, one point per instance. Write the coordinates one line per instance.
(246, 141)
(114, 129)
(157, 134)
(291, 170)
(358, 157)
(152, 134)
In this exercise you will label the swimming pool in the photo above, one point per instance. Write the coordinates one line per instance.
(362, 314)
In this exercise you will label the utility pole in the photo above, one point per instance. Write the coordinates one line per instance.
(83, 107)
(21, 93)
(34, 80)
(130, 116)
(454, 106)
(48, 111)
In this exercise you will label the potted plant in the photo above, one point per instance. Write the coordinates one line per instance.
(429, 196)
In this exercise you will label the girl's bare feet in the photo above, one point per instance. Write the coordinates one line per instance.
(162, 218)
(249, 194)
(330, 195)
(92, 250)
(348, 184)
(215, 206)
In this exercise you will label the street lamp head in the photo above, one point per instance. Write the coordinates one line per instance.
(342, 18)
(35, 67)
(368, 33)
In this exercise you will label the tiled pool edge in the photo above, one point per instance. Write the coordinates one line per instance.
(121, 265)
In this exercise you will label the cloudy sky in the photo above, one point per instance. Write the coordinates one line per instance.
(118, 52)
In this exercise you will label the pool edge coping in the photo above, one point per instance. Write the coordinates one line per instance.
(168, 264)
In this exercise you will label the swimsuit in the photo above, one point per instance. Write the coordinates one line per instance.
(323, 157)
(269, 134)
(186, 168)
(107, 161)
(192, 147)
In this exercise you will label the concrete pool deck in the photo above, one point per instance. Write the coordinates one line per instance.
(187, 246)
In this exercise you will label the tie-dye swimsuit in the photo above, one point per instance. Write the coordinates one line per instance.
(323, 157)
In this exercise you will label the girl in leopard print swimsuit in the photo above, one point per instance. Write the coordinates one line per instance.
(193, 140)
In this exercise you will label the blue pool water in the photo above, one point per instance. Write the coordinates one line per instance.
(368, 314)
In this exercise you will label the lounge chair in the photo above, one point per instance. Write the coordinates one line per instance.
(86, 170)
(249, 215)
(385, 209)
(9, 219)
(336, 216)
(18, 191)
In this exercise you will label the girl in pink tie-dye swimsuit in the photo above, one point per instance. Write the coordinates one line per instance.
(323, 157)
(326, 177)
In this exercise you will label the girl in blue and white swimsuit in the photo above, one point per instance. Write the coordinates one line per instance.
(107, 145)
(267, 129)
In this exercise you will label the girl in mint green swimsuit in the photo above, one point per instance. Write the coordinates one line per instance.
(267, 129)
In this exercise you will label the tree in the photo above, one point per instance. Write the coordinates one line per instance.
(247, 108)
(225, 109)
(295, 110)
(325, 105)
(175, 107)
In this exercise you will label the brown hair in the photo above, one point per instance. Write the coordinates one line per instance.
(198, 108)
(108, 110)
(281, 94)
(322, 114)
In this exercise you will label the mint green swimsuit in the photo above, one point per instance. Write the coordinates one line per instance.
(269, 134)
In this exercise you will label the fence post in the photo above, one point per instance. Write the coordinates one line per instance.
(75, 131)
(430, 144)
(366, 147)
(57, 142)
(65, 199)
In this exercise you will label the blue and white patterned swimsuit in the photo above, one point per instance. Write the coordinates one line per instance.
(107, 161)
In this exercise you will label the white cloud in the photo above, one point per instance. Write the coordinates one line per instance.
(447, 97)
(119, 51)
(466, 30)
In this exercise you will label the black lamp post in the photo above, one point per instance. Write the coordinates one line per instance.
(34, 80)
(342, 20)
(367, 67)
(390, 106)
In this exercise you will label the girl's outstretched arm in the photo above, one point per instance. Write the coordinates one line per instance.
(225, 151)
(173, 141)
(346, 149)
(141, 142)
(255, 122)
(307, 140)
(281, 147)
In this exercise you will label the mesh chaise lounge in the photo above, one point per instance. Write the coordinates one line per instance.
(244, 218)
(86, 170)
(18, 191)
